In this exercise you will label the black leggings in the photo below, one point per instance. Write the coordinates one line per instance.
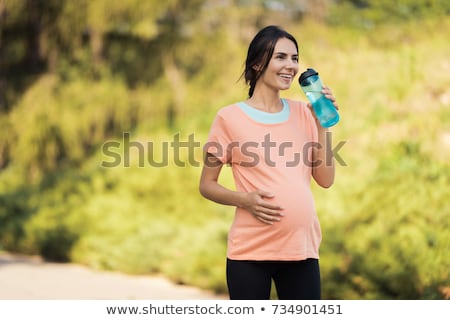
(294, 280)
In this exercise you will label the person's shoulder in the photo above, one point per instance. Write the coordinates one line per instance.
(297, 105)
(228, 111)
(301, 109)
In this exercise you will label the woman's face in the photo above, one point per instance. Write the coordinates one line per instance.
(282, 67)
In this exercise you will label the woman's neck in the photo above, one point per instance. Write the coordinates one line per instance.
(265, 101)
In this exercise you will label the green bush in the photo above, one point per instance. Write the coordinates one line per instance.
(385, 221)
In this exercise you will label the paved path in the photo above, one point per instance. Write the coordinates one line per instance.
(26, 278)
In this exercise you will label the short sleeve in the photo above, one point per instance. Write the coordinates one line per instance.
(311, 123)
(218, 140)
(314, 129)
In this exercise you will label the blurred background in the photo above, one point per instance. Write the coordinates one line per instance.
(77, 77)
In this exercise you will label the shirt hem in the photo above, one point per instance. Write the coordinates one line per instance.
(273, 258)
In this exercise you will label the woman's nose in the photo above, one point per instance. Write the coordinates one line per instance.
(292, 65)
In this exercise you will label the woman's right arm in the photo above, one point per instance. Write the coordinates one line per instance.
(251, 201)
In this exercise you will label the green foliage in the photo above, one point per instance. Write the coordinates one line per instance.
(70, 120)
(394, 243)
(385, 221)
(369, 13)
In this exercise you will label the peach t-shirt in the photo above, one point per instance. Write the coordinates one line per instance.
(271, 152)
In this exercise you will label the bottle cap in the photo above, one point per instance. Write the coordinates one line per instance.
(308, 73)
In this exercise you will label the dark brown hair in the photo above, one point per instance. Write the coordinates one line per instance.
(260, 52)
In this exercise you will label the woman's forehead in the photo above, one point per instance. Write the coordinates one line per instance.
(285, 45)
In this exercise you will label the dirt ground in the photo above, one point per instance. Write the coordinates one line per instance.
(30, 278)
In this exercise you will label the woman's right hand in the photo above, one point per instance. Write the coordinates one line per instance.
(254, 202)
(264, 211)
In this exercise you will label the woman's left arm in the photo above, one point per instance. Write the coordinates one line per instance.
(323, 169)
(323, 161)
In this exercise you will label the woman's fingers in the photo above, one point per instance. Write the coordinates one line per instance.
(266, 218)
(265, 211)
(267, 215)
(329, 95)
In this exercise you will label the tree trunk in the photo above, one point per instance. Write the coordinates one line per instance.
(96, 42)
(175, 78)
(32, 56)
(3, 106)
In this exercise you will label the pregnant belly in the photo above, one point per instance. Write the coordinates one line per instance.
(298, 206)
(298, 210)
(296, 236)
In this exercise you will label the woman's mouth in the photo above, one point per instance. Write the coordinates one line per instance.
(285, 76)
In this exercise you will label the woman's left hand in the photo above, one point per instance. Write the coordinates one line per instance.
(329, 95)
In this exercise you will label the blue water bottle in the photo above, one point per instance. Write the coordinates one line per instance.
(323, 108)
